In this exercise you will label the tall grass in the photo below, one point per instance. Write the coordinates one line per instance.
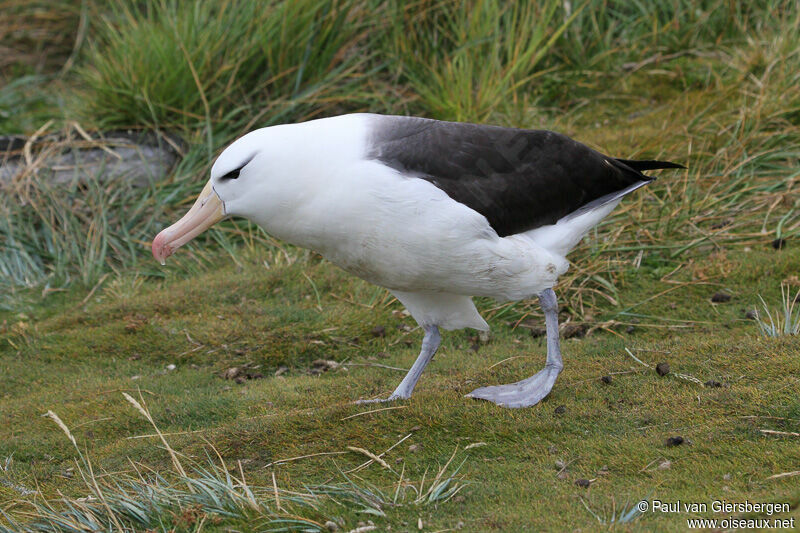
(611, 32)
(54, 234)
(784, 320)
(36, 36)
(469, 61)
(220, 66)
(39, 41)
(212, 70)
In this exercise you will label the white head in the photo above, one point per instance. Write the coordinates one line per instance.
(240, 172)
(266, 175)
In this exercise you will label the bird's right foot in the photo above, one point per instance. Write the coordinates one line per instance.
(525, 393)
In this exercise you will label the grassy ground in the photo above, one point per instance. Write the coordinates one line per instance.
(76, 357)
(86, 315)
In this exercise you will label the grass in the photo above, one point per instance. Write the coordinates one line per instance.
(482, 61)
(472, 61)
(40, 41)
(86, 315)
(219, 66)
(218, 495)
(79, 358)
(785, 321)
(38, 36)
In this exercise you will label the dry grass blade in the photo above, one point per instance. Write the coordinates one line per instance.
(687, 377)
(63, 426)
(91, 482)
(145, 413)
(291, 459)
(370, 455)
(275, 491)
(785, 474)
(435, 483)
(390, 448)
(636, 358)
(782, 433)
(374, 411)
(250, 497)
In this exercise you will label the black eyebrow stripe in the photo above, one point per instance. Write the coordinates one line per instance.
(233, 174)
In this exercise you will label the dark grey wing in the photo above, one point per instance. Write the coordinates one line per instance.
(518, 179)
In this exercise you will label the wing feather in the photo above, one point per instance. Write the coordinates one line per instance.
(518, 179)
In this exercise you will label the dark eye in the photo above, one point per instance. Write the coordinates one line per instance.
(232, 175)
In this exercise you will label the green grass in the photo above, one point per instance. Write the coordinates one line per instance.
(40, 40)
(85, 314)
(78, 358)
(473, 61)
(222, 65)
(782, 320)
(186, 500)
(270, 65)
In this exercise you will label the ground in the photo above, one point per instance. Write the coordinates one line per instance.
(76, 354)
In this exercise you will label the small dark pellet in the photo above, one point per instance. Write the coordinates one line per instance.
(779, 244)
(721, 297)
(675, 441)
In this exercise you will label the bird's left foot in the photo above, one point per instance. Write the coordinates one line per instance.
(525, 393)
(391, 398)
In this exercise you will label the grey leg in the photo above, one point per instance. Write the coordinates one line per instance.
(430, 343)
(531, 391)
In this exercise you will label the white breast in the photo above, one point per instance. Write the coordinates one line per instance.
(399, 232)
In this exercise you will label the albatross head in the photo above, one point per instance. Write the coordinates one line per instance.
(268, 177)
(234, 179)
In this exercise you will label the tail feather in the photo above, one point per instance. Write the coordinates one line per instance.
(641, 165)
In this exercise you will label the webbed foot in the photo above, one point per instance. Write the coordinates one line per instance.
(525, 393)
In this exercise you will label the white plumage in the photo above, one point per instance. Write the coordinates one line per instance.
(402, 233)
(320, 185)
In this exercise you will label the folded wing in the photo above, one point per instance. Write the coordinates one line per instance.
(518, 179)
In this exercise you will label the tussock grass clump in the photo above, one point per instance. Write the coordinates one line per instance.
(222, 65)
(609, 34)
(785, 320)
(56, 233)
(40, 40)
(626, 514)
(37, 36)
(741, 146)
(469, 61)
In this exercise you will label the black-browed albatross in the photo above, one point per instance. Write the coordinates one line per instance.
(436, 212)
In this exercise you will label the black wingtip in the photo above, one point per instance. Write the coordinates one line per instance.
(641, 165)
